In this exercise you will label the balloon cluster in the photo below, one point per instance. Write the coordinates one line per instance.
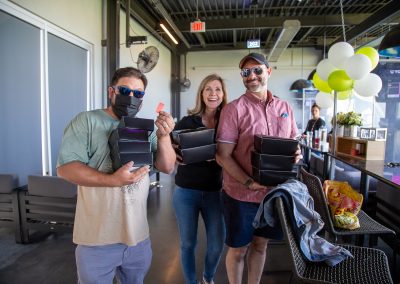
(344, 71)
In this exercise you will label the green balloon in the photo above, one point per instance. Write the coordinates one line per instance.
(371, 53)
(339, 81)
(321, 84)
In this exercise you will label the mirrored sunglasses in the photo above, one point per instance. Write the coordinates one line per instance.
(125, 91)
(245, 72)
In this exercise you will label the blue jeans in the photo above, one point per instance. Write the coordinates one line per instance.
(188, 204)
(99, 264)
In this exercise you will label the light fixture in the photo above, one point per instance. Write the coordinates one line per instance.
(290, 29)
(301, 84)
(390, 45)
(168, 33)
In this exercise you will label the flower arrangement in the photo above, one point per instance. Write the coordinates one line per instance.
(349, 118)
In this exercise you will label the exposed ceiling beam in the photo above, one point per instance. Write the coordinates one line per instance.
(200, 38)
(160, 8)
(220, 46)
(390, 10)
(148, 22)
(275, 22)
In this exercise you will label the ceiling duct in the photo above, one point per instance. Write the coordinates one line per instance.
(290, 29)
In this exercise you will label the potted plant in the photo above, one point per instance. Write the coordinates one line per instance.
(340, 123)
(352, 122)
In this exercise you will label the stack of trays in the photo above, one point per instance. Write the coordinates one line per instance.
(195, 145)
(130, 142)
(272, 159)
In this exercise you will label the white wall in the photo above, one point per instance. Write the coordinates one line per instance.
(159, 79)
(226, 63)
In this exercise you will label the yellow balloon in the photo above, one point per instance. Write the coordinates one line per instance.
(321, 84)
(344, 95)
(339, 81)
(371, 53)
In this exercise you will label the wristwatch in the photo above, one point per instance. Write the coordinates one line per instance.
(248, 182)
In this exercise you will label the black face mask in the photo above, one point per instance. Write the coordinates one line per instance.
(126, 106)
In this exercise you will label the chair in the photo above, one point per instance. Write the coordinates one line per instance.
(368, 226)
(47, 204)
(388, 213)
(368, 265)
(9, 213)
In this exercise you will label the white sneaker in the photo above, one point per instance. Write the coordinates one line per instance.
(203, 281)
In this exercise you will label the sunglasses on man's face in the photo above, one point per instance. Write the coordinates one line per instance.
(245, 72)
(125, 91)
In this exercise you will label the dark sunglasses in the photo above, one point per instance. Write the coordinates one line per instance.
(245, 72)
(125, 91)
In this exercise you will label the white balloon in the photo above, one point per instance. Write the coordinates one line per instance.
(324, 100)
(358, 66)
(369, 85)
(339, 53)
(324, 69)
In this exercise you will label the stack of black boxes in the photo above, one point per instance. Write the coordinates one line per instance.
(272, 159)
(130, 142)
(195, 145)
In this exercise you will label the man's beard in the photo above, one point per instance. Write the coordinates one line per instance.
(256, 88)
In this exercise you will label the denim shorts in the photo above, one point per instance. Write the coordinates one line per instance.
(239, 216)
(99, 264)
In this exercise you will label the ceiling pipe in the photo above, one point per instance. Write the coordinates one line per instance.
(160, 8)
(200, 38)
(290, 29)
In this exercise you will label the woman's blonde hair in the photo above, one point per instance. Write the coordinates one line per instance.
(200, 107)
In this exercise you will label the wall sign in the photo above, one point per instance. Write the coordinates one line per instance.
(253, 43)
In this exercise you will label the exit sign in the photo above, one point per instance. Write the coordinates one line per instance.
(197, 27)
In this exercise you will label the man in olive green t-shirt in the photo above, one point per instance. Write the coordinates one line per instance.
(111, 228)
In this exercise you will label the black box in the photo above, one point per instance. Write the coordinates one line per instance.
(139, 159)
(272, 178)
(129, 134)
(137, 123)
(130, 142)
(134, 146)
(197, 154)
(272, 162)
(275, 145)
(190, 138)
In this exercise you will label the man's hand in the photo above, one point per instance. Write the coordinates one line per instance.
(165, 124)
(254, 186)
(125, 175)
